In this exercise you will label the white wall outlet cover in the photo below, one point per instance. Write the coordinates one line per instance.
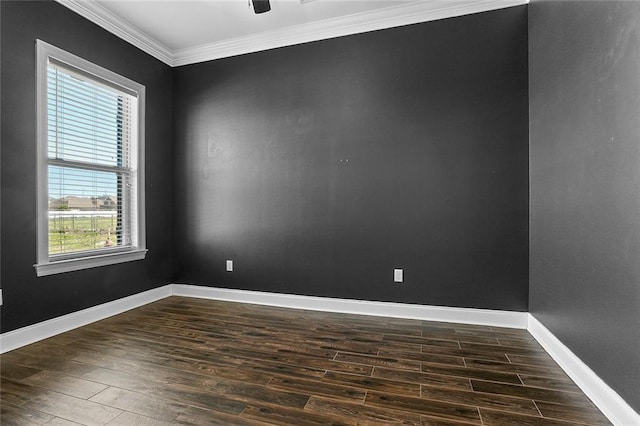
(229, 265)
(397, 275)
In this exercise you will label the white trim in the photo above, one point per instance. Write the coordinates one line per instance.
(94, 12)
(606, 399)
(394, 16)
(139, 156)
(42, 189)
(42, 330)
(68, 265)
(361, 307)
(36, 332)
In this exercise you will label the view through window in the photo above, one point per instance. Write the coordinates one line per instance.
(88, 152)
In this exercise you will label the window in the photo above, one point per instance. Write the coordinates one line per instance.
(90, 164)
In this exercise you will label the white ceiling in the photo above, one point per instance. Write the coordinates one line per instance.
(181, 32)
(185, 24)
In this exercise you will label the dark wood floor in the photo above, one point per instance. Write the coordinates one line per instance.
(192, 361)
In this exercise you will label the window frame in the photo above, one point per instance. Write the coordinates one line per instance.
(45, 264)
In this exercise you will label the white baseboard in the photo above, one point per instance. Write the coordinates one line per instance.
(361, 307)
(606, 399)
(42, 330)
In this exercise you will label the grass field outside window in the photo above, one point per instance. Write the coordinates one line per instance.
(73, 232)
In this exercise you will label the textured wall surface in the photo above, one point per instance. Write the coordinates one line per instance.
(585, 175)
(28, 299)
(319, 168)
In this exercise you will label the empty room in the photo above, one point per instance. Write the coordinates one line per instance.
(299, 212)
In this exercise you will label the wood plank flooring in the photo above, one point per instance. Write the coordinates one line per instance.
(201, 362)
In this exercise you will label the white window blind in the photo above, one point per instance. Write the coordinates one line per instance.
(92, 143)
(90, 163)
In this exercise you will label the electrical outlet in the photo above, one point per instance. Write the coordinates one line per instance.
(229, 265)
(398, 275)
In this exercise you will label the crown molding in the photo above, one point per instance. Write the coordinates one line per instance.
(395, 16)
(102, 17)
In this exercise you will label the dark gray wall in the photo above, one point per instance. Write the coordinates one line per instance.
(319, 168)
(585, 180)
(28, 299)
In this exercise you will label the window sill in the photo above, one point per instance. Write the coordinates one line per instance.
(68, 265)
